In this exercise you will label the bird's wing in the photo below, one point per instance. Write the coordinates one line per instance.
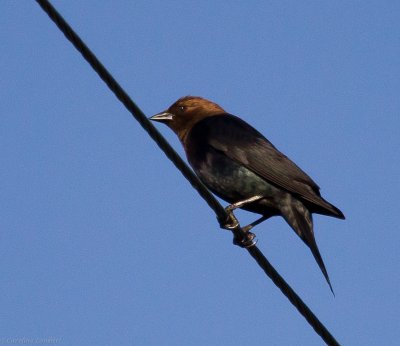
(245, 145)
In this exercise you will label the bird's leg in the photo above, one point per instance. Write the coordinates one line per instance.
(243, 202)
(255, 223)
(232, 222)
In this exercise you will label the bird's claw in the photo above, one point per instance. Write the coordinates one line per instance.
(246, 242)
(244, 239)
(231, 223)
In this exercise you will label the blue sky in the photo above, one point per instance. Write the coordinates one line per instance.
(103, 242)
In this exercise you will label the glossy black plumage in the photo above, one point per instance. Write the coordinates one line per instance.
(237, 162)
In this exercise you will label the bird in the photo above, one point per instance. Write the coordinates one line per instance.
(241, 166)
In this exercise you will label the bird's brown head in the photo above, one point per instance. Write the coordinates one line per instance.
(184, 113)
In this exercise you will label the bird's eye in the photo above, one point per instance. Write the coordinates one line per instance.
(182, 108)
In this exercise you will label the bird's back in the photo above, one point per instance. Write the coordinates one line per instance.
(224, 147)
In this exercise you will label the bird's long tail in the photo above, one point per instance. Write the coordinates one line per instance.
(300, 219)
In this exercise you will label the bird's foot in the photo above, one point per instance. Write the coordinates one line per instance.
(241, 236)
(231, 223)
(246, 242)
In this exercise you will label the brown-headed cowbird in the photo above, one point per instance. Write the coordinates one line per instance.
(241, 166)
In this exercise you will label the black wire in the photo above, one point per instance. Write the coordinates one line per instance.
(222, 215)
(120, 93)
(279, 281)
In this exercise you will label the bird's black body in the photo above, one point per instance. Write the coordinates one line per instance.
(237, 162)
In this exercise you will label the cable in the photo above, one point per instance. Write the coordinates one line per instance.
(298, 303)
(222, 216)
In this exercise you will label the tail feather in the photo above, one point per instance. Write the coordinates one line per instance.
(314, 249)
(300, 219)
(326, 208)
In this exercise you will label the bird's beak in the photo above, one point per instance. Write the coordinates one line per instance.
(163, 117)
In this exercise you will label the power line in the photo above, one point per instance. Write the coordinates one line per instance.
(222, 216)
